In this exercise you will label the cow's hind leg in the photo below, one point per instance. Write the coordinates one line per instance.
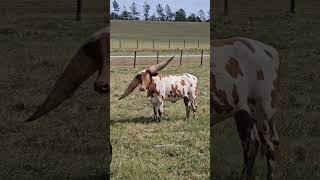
(187, 105)
(268, 136)
(160, 111)
(245, 127)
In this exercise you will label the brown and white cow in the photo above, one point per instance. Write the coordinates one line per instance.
(91, 57)
(244, 85)
(162, 88)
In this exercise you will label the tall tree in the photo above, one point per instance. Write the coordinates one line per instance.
(153, 17)
(159, 10)
(146, 10)
(125, 15)
(202, 15)
(192, 17)
(134, 12)
(116, 8)
(180, 15)
(169, 13)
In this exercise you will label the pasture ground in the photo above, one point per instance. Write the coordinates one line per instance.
(161, 32)
(172, 149)
(69, 142)
(297, 39)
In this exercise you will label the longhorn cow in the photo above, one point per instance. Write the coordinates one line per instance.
(91, 57)
(245, 85)
(162, 88)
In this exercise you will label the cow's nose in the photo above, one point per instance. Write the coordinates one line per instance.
(142, 89)
(101, 87)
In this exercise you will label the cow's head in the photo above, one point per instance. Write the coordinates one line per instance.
(91, 57)
(144, 78)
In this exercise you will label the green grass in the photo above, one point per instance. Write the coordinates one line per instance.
(297, 39)
(172, 149)
(69, 142)
(161, 32)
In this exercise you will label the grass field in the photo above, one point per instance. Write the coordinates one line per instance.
(161, 32)
(172, 149)
(297, 39)
(68, 143)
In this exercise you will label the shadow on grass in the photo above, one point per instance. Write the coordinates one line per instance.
(141, 119)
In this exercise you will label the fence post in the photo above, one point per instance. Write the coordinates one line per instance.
(153, 44)
(226, 7)
(180, 57)
(201, 58)
(79, 8)
(134, 59)
(157, 57)
(184, 43)
(198, 43)
(119, 43)
(137, 44)
(292, 6)
(169, 43)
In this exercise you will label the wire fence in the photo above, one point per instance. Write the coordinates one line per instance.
(159, 44)
(136, 58)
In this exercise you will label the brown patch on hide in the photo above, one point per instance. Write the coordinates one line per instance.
(260, 75)
(233, 67)
(176, 91)
(183, 83)
(153, 88)
(219, 107)
(235, 94)
(268, 53)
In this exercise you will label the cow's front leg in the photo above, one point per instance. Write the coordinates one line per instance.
(160, 111)
(187, 105)
(155, 112)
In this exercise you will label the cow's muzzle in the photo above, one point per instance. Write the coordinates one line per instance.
(102, 87)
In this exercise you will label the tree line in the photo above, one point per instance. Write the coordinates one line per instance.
(161, 14)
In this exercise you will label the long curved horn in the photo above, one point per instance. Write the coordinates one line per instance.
(81, 67)
(158, 67)
(134, 83)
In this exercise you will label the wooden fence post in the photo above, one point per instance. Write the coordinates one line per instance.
(79, 8)
(157, 57)
(292, 6)
(180, 57)
(134, 59)
(201, 58)
(153, 44)
(137, 44)
(226, 7)
(184, 43)
(119, 43)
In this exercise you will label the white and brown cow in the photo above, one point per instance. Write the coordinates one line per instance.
(162, 88)
(245, 85)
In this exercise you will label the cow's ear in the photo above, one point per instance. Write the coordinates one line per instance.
(154, 74)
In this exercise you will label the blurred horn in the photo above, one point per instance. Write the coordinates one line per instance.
(158, 67)
(134, 83)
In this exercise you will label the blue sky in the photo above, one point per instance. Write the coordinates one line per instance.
(190, 6)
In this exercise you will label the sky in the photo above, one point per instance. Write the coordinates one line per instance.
(189, 6)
